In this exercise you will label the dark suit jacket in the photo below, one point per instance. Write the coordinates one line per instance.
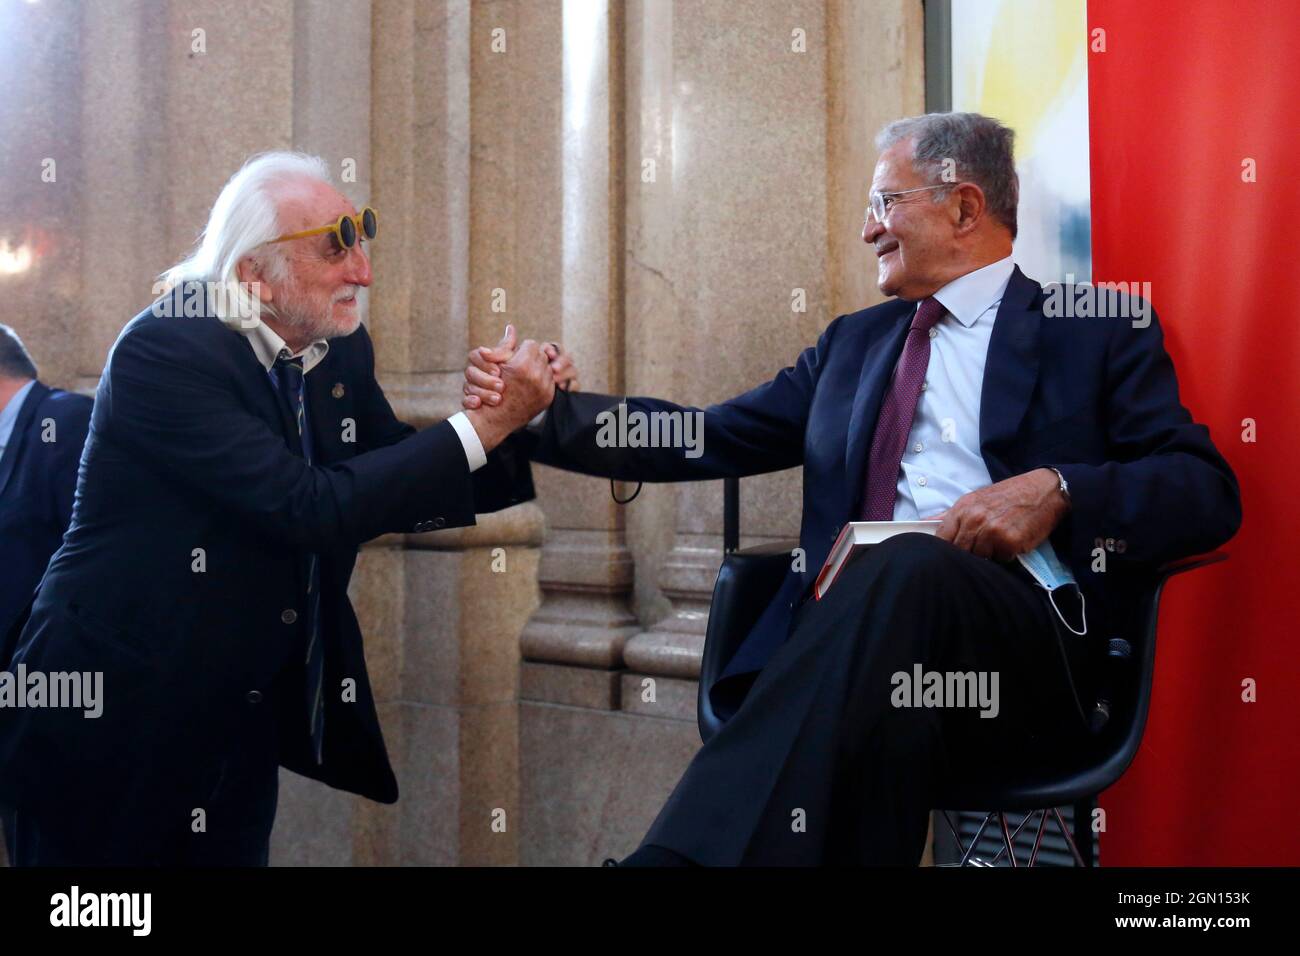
(37, 480)
(1094, 397)
(190, 448)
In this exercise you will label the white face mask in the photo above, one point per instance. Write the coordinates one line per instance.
(1051, 574)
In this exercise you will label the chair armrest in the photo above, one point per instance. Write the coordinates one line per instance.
(1192, 561)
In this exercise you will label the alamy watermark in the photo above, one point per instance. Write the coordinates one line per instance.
(1103, 300)
(922, 688)
(75, 690)
(76, 908)
(235, 302)
(638, 429)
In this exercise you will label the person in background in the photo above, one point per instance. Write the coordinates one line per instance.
(42, 431)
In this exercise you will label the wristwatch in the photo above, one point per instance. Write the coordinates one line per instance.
(1064, 486)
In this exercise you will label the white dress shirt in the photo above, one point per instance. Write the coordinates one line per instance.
(942, 459)
(9, 415)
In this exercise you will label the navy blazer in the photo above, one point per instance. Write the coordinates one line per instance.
(38, 475)
(1096, 398)
(194, 519)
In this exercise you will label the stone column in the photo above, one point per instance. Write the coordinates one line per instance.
(123, 98)
(43, 185)
(891, 37)
(586, 572)
(748, 201)
(583, 761)
(228, 92)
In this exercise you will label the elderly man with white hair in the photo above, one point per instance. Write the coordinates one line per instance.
(239, 452)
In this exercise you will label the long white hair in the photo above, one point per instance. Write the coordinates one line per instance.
(244, 217)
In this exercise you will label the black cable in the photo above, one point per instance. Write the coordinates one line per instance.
(623, 501)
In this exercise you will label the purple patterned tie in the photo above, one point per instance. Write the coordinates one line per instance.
(896, 414)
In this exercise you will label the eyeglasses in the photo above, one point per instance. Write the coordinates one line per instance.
(344, 231)
(878, 207)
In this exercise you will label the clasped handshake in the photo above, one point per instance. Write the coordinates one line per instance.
(510, 384)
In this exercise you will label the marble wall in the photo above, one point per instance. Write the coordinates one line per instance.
(746, 155)
(672, 188)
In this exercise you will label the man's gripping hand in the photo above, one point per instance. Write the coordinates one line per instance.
(528, 386)
(484, 384)
(1005, 519)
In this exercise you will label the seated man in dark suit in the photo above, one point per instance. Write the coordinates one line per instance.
(42, 430)
(968, 397)
(240, 451)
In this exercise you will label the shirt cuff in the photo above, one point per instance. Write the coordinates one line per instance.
(474, 452)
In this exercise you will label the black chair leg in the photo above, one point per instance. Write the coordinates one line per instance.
(1069, 839)
(1078, 839)
(1038, 840)
(1083, 831)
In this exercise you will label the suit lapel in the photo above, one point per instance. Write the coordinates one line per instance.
(326, 441)
(268, 388)
(883, 346)
(18, 437)
(1010, 370)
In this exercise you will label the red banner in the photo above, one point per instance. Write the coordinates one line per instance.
(1195, 189)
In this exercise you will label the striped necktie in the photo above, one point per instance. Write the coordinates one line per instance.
(290, 379)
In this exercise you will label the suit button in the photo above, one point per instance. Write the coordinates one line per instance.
(254, 696)
(289, 615)
(422, 526)
(439, 522)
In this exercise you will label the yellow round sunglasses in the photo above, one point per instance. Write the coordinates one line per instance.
(345, 231)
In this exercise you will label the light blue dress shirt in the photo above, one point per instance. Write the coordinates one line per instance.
(9, 415)
(942, 460)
